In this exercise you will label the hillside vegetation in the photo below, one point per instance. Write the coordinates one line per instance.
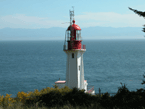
(65, 98)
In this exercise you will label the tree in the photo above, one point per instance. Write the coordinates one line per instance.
(140, 13)
(143, 80)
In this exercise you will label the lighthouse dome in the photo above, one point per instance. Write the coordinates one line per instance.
(74, 26)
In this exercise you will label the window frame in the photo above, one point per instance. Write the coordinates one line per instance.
(72, 55)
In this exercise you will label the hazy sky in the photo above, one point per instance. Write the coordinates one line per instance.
(52, 13)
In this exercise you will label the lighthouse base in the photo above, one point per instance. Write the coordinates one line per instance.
(62, 84)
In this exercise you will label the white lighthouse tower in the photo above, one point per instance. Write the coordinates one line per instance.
(74, 51)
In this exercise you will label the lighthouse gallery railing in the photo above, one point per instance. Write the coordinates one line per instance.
(90, 89)
(65, 47)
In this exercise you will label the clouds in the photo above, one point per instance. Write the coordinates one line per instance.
(110, 19)
(29, 22)
(87, 19)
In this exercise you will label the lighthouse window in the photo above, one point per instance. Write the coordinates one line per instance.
(79, 67)
(78, 34)
(72, 55)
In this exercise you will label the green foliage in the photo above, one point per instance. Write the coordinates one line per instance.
(62, 97)
(78, 97)
(124, 99)
(55, 86)
(50, 99)
(105, 99)
(140, 13)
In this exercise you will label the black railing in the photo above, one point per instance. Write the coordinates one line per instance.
(104, 93)
(65, 47)
(84, 46)
(111, 94)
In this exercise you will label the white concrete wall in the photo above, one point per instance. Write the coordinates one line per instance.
(74, 76)
(85, 85)
(82, 72)
(67, 69)
(79, 64)
(71, 75)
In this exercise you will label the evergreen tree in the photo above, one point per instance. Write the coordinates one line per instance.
(143, 80)
(140, 13)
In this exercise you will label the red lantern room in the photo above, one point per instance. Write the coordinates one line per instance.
(75, 30)
(73, 35)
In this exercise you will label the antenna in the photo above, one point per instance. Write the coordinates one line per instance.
(73, 11)
(71, 15)
(73, 8)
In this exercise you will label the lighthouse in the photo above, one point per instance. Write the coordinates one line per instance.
(74, 51)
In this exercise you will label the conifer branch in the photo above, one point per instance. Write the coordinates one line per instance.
(140, 13)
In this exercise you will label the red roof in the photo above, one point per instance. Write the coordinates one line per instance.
(74, 26)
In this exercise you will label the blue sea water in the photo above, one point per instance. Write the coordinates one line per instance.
(29, 65)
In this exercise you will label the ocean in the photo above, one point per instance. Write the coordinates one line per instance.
(29, 65)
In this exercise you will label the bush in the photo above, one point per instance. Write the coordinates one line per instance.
(78, 97)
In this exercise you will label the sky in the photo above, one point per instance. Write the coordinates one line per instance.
(35, 14)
